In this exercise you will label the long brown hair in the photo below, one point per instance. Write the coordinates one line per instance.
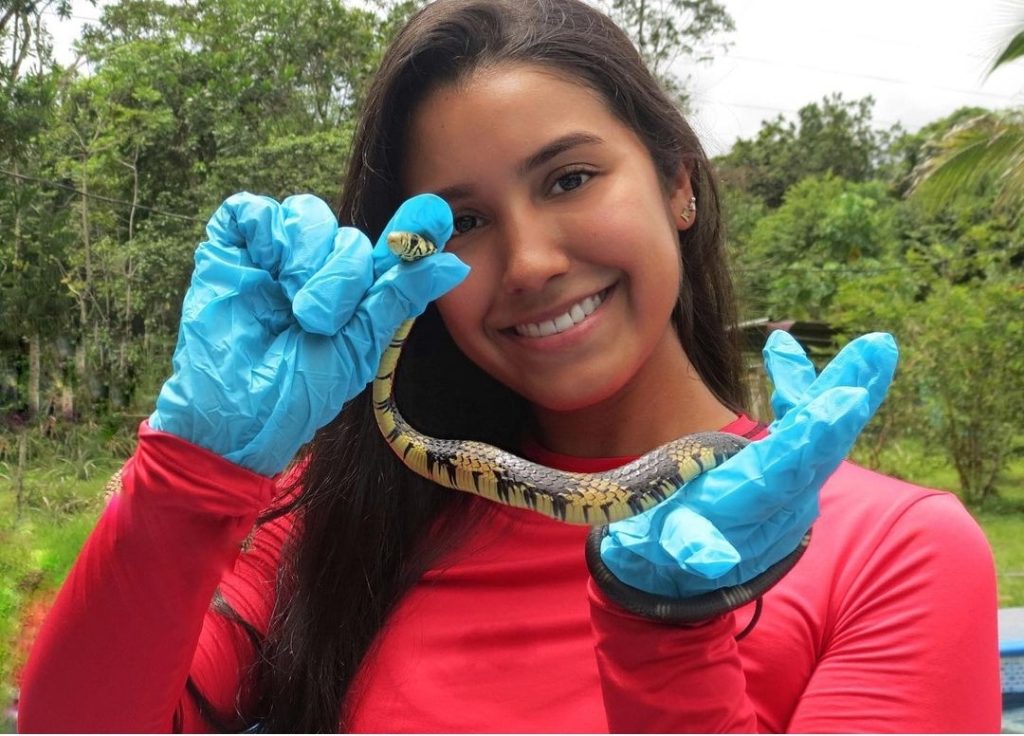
(364, 516)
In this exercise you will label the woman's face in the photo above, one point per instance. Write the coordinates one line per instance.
(571, 238)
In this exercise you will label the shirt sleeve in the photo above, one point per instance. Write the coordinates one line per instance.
(913, 646)
(116, 649)
(662, 678)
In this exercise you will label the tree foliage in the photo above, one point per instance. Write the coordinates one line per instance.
(795, 257)
(834, 136)
(666, 30)
(821, 228)
(126, 161)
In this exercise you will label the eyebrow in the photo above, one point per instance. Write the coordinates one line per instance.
(546, 153)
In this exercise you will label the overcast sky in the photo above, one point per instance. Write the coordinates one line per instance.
(919, 59)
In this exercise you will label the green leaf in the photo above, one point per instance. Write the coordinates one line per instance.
(1014, 50)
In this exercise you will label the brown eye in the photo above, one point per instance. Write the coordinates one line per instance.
(464, 223)
(572, 180)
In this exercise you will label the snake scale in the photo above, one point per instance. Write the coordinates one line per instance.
(577, 498)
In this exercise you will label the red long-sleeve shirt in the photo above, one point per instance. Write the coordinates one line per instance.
(888, 622)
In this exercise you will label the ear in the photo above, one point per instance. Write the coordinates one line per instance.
(680, 199)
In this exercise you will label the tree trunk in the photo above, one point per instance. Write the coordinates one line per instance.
(73, 397)
(67, 401)
(19, 483)
(79, 384)
(34, 372)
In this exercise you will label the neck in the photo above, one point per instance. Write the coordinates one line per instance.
(665, 400)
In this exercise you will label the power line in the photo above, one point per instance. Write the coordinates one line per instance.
(99, 197)
(769, 108)
(70, 16)
(872, 77)
(855, 271)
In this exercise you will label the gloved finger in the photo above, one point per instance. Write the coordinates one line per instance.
(425, 214)
(401, 293)
(312, 394)
(766, 543)
(405, 290)
(290, 240)
(223, 227)
(696, 544)
(329, 298)
(640, 535)
(636, 571)
(869, 361)
(310, 227)
(780, 470)
(685, 542)
(673, 536)
(789, 369)
(228, 292)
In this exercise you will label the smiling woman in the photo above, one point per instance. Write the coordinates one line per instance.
(570, 210)
(579, 313)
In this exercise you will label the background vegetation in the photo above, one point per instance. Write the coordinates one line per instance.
(109, 168)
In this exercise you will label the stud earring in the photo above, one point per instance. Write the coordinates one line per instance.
(691, 208)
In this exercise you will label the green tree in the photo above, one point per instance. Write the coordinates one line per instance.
(795, 257)
(666, 30)
(182, 105)
(960, 384)
(30, 217)
(835, 136)
(972, 377)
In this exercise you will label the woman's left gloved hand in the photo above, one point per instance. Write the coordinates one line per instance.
(731, 524)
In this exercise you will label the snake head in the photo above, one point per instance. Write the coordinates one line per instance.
(410, 246)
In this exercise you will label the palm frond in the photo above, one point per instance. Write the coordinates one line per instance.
(988, 148)
(1014, 50)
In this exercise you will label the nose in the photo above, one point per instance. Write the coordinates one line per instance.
(533, 250)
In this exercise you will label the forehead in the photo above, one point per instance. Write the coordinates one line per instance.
(501, 112)
(516, 91)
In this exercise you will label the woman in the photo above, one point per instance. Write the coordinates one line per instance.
(595, 324)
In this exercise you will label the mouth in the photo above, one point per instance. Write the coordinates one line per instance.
(574, 315)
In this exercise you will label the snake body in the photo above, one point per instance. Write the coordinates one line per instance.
(488, 471)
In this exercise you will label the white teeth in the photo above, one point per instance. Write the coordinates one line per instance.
(564, 322)
(576, 314)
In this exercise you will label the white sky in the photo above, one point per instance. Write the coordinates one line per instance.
(919, 59)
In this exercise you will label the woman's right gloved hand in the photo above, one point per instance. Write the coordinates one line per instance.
(286, 319)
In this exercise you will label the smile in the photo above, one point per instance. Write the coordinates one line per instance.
(577, 313)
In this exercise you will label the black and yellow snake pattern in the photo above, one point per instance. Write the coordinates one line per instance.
(485, 470)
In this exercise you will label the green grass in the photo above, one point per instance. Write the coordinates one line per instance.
(1003, 522)
(62, 496)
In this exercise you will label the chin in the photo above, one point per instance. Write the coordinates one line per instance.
(574, 397)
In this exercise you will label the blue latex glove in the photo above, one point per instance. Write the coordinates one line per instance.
(732, 523)
(286, 319)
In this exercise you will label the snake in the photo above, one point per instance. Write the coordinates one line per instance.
(485, 470)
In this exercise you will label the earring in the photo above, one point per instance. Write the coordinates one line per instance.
(691, 208)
